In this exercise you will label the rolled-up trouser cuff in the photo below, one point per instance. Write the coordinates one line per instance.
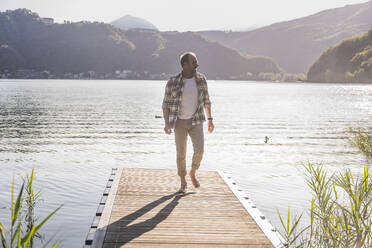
(196, 159)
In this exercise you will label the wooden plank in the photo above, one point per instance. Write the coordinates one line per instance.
(144, 210)
(180, 245)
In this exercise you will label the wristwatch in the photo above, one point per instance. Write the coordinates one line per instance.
(210, 119)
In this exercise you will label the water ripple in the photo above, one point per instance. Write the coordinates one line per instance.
(74, 132)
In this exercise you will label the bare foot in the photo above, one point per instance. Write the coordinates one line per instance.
(182, 188)
(183, 185)
(194, 181)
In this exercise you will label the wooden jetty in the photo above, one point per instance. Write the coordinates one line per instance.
(141, 208)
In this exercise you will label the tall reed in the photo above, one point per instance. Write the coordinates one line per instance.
(24, 227)
(341, 207)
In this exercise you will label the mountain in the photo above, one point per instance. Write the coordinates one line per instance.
(349, 61)
(296, 44)
(130, 22)
(29, 42)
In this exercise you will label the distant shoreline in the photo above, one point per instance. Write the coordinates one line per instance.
(236, 80)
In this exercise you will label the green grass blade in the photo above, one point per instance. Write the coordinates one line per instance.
(18, 205)
(12, 200)
(3, 240)
(295, 225)
(19, 238)
(19, 227)
(50, 240)
(281, 220)
(26, 240)
(35, 228)
(288, 221)
(2, 227)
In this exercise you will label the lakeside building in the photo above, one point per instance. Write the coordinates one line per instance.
(48, 20)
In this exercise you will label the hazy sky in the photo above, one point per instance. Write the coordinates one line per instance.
(180, 15)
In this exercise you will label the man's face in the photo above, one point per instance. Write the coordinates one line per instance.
(192, 63)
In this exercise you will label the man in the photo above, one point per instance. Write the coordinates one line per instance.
(186, 94)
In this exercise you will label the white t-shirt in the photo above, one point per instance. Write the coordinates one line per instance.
(189, 100)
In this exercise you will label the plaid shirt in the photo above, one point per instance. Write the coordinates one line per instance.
(173, 97)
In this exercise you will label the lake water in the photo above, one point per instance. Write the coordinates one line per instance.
(74, 131)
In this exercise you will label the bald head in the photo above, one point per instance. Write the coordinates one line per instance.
(185, 57)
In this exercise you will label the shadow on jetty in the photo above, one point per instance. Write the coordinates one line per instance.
(123, 232)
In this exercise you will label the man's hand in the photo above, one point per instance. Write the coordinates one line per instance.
(210, 126)
(167, 129)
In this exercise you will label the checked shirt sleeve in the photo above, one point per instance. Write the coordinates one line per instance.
(206, 101)
(167, 95)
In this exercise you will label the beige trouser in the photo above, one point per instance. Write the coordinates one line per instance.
(181, 129)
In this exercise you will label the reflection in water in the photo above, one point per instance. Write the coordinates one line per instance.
(74, 132)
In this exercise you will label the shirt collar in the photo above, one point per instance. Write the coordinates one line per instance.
(197, 77)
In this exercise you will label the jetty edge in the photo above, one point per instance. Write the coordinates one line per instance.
(225, 216)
